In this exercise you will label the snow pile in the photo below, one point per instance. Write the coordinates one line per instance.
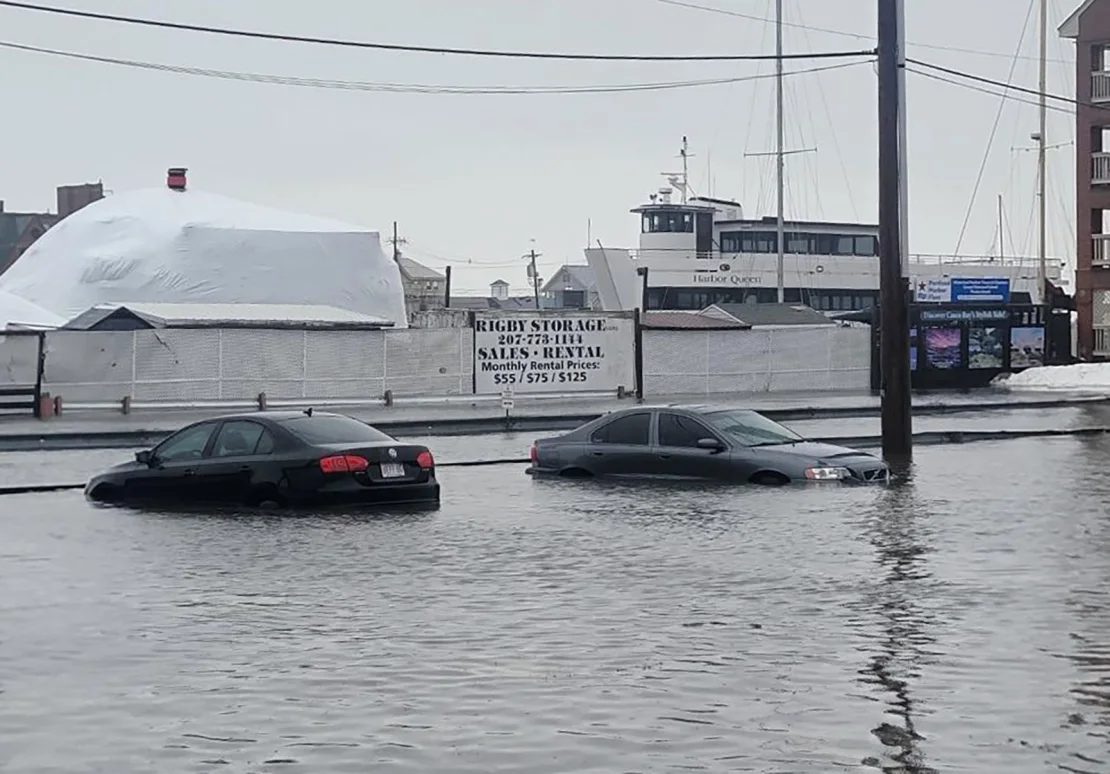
(19, 313)
(159, 245)
(1081, 377)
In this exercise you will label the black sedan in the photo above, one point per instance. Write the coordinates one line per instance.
(734, 445)
(274, 458)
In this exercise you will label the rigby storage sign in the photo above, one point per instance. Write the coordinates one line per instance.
(553, 352)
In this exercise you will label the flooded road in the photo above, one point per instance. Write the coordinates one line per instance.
(958, 622)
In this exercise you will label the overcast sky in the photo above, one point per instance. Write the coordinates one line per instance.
(474, 179)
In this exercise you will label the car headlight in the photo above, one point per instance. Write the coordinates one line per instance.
(827, 474)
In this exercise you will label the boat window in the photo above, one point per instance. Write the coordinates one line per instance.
(751, 429)
(867, 245)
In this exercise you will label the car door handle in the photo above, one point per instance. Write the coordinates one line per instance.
(190, 472)
(664, 456)
(598, 454)
(245, 468)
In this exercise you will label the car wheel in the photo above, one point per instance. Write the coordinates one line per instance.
(266, 497)
(575, 473)
(769, 478)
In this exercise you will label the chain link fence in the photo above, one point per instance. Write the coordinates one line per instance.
(206, 365)
(757, 360)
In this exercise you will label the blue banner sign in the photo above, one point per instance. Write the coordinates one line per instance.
(981, 290)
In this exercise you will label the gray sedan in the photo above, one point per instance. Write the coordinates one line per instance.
(735, 445)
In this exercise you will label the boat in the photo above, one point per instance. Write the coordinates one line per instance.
(697, 251)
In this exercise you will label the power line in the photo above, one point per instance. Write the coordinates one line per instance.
(238, 33)
(405, 88)
(981, 90)
(842, 33)
(992, 82)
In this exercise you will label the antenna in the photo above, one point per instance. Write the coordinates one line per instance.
(681, 180)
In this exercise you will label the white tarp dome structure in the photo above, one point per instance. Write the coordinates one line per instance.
(183, 246)
(19, 313)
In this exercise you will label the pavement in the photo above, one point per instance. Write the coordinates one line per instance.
(108, 429)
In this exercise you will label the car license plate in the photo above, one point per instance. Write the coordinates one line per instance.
(392, 470)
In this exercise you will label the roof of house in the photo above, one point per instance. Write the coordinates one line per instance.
(577, 277)
(1070, 27)
(773, 314)
(170, 315)
(689, 320)
(499, 282)
(418, 272)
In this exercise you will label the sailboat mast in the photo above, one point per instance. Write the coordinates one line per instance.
(779, 152)
(1041, 154)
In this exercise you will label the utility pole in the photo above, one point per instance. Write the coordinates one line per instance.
(396, 242)
(779, 157)
(534, 276)
(894, 333)
(1042, 147)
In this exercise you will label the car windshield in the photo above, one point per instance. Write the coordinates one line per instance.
(334, 429)
(752, 429)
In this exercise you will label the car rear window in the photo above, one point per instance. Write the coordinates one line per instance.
(334, 429)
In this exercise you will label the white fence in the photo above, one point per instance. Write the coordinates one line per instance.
(758, 360)
(197, 365)
(235, 365)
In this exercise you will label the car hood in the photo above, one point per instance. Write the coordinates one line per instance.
(821, 452)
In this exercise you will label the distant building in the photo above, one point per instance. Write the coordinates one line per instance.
(425, 288)
(572, 287)
(500, 299)
(20, 230)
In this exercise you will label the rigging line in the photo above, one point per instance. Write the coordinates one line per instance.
(400, 88)
(981, 90)
(752, 107)
(843, 33)
(836, 145)
(994, 130)
(343, 43)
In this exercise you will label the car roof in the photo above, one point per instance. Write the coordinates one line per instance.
(695, 408)
(273, 416)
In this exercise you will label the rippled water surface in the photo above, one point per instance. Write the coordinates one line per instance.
(955, 623)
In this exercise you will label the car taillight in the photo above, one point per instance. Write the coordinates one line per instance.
(534, 455)
(425, 460)
(343, 463)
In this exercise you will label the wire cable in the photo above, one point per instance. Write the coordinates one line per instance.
(842, 33)
(992, 82)
(981, 90)
(994, 130)
(338, 42)
(405, 88)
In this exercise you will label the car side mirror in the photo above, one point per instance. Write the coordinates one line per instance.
(712, 444)
(144, 457)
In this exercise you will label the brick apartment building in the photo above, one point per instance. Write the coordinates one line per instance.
(19, 230)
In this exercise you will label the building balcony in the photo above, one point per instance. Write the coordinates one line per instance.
(1100, 169)
(1100, 250)
(1100, 86)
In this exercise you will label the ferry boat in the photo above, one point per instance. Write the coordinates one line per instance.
(698, 251)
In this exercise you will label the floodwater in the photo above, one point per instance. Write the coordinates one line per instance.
(957, 622)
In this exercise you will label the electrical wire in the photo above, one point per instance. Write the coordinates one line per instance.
(981, 90)
(342, 43)
(842, 33)
(994, 129)
(1010, 87)
(404, 88)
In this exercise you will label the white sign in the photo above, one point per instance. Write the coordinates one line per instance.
(507, 399)
(554, 352)
(933, 291)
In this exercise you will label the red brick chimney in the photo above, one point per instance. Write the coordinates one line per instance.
(175, 178)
